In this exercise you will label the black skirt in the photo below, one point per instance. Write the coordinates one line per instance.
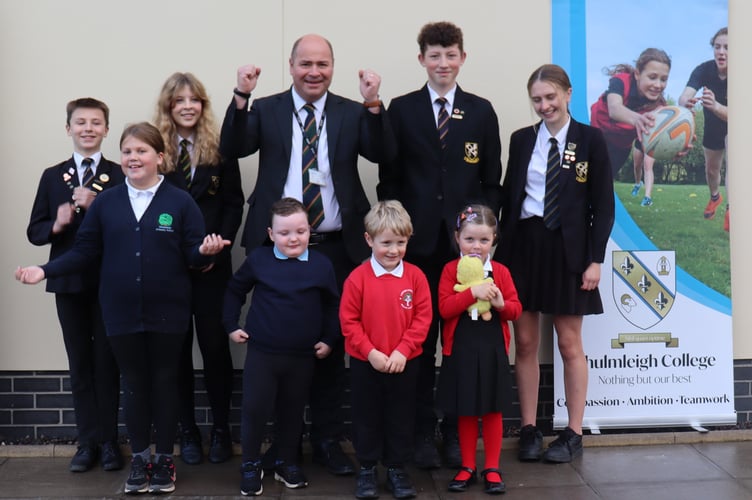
(476, 379)
(543, 279)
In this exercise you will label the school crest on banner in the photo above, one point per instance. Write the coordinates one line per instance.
(644, 285)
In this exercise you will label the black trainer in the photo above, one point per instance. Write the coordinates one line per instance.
(399, 484)
(531, 444)
(162, 476)
(291, 475)
(426, 455)
(84, 459)
(367, 483)
(138, 479)
(251, 483)
(220, 449)
(564, 448)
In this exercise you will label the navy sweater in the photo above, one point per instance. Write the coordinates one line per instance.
(144, 280)
(294, 305)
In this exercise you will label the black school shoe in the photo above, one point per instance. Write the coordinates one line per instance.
(463, 484)
(531, 444)
(564, 448)
(399, 484)
(493, 487)
(111, 457)
(191, 452)
(328, 453)
(426, 456)
(220, 449)
(84, 459)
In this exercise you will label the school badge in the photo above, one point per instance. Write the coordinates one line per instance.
(644, 285)
(406, 299)
(214, 186)
(471, 152)
(580, 170)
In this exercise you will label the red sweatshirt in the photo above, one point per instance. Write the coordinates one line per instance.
(385, 312)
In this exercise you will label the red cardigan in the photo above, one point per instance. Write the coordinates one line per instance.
(453, 304)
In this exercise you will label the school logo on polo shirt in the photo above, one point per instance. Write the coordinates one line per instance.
(406, 299)
(165, 223)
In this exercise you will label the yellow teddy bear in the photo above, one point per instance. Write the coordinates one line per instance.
(470, 273)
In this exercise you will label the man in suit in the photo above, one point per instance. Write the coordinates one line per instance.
(64, 194)
(448, 154)
(340, 130)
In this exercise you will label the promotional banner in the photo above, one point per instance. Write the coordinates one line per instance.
(662, 352)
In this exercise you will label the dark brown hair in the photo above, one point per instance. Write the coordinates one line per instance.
(89, 103)
(442, 33)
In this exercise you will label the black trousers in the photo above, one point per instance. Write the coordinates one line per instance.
(383, 407)
(329, 374)
(425, 414)
(274, 385)
(94, 376)
(208, 291)
(149, 363)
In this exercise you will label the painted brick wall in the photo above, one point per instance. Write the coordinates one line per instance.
(37, 405)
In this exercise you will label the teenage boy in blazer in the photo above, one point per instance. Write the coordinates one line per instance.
(64, 194)
(345, 129)
(435, 178)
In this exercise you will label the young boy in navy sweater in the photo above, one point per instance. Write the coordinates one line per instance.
(292, 320)
(385, 314)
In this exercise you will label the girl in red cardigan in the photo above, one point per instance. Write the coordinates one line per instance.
(476, 380)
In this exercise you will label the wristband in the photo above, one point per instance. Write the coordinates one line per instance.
(244, 95)
(372, 104)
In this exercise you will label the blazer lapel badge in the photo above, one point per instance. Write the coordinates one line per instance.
(214, 186)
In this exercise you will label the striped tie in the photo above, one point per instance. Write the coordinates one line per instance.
(551, 202)
(443, 124)
(311, 191)
(88, 173)
(184, 161)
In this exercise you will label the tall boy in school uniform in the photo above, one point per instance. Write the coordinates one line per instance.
(448, 155)
(64, 194)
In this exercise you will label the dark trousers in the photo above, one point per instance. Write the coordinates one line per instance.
(208, 291)
(425, 414)
(329, 374)
(383, 407)
(94, 376)
(149, 363)
(274, 385)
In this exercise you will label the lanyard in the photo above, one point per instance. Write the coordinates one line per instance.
(314, 147)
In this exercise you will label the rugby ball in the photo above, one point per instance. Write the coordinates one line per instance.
(672, 133)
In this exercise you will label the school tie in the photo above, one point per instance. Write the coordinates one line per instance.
(88, 173)
(551, 217)
(184, 161)
(443, 124)
(311, 191)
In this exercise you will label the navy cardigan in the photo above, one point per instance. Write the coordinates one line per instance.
(144, 277)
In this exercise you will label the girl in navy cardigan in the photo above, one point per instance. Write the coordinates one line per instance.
(148, 234)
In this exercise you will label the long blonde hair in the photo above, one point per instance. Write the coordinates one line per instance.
(206, 140)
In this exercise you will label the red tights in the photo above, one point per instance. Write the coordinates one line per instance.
(492, 434)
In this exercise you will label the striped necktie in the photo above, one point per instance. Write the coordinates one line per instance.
(551, 217)
(443, 123)
(88, 172)
(184, 161)
(311, 190)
